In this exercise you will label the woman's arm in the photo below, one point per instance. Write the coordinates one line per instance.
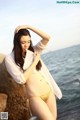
(29, 71)
(45, 37)
(14, 70)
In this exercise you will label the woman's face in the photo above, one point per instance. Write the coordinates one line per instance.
(25, 42)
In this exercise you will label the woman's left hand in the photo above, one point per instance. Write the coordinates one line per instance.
(21, 27)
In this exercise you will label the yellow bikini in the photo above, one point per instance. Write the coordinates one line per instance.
(45, 96)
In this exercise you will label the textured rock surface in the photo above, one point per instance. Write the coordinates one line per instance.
(13, 95)
(3, 101)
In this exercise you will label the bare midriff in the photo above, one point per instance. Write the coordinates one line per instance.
(37, 85)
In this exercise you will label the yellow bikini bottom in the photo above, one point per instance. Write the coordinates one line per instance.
(45, 96)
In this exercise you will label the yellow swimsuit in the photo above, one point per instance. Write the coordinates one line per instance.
(43, 96)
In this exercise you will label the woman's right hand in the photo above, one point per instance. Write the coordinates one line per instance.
(36, 57)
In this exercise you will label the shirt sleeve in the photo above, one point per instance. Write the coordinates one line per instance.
(14, 70)
(39, 47)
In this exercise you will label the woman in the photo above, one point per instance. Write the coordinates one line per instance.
(26, 67)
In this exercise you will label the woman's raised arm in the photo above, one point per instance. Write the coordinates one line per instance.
(45, 37)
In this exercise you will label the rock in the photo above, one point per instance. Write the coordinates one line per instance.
(13, 98)
(3, 101)
(34, 118)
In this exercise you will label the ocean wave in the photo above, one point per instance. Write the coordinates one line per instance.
(69, 109)
(64, 65)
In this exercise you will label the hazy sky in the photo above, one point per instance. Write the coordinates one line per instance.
(61, 21)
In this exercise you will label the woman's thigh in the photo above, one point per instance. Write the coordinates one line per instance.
(51, 102)
(40, 109)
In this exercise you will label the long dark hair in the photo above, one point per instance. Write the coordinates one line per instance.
(19, 60)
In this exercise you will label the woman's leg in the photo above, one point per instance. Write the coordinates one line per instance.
(51, 102)
(40, 109)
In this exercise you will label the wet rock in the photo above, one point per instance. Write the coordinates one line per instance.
(3, 101)
(13, 97)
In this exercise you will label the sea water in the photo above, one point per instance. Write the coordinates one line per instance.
(64, 65)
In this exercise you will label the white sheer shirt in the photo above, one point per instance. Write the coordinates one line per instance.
(14, 70)
(17, 73)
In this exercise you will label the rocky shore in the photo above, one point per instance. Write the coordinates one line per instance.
(13, 97)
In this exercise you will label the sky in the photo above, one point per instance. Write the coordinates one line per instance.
(60, 20)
